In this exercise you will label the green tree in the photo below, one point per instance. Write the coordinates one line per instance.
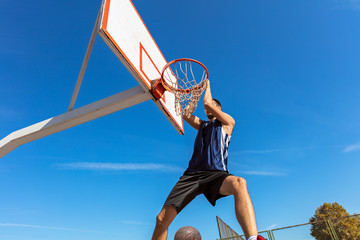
(346, 227)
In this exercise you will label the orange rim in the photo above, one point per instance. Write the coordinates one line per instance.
(184, 91)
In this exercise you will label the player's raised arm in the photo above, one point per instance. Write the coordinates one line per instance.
(213, 108)
(192, 120)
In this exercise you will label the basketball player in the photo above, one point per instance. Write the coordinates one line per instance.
(207, 172)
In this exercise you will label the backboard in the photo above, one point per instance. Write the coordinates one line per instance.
(123, 30)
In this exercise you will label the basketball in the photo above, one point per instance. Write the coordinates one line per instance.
(187, 233)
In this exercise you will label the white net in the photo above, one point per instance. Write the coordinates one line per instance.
(186, 79)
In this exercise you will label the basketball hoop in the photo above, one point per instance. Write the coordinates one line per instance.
(186, 78)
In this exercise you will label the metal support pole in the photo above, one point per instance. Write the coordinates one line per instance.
(73, 118)
(331, 230)
(272, 235)
(85, 62)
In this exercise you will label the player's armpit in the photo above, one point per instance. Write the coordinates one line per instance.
(223, 117)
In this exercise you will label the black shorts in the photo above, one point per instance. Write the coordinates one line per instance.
(192, 184)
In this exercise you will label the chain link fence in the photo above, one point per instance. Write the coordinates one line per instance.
(294, 232)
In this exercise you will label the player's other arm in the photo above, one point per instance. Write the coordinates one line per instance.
(193, 121)
(209, 105)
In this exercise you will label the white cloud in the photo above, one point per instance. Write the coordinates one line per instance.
(265, 151)
(354, 4)
(352, 148)
(263, 173)
(271, 227)
(8, 112)
(103, 166)
(128, 222)
(45, 227)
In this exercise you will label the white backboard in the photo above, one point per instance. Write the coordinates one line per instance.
(123, 30)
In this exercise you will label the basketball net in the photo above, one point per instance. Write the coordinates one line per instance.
(187, 79)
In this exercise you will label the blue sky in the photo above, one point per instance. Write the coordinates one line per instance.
(287, 71)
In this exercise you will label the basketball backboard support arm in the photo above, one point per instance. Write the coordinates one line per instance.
(85, 62)
(73, 118)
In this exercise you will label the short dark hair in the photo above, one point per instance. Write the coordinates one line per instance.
(217, 101)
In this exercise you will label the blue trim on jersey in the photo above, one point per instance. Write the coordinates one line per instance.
(210, 148)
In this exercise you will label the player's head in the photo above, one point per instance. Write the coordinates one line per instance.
(217, 102)
(209, 114)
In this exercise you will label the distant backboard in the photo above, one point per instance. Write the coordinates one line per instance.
(123, 30)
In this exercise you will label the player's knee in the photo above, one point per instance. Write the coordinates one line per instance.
(165, 217)
(159, 219)
(239, 185)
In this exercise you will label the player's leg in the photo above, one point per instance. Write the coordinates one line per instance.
(184, 191)
(244, 210)
(163, 221)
